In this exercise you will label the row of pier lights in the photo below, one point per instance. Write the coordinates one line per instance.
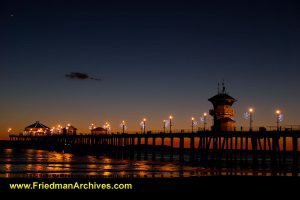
(278, 118)
(251, 110)
(168, 123)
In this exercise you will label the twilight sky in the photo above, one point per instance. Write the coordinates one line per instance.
(146, 59)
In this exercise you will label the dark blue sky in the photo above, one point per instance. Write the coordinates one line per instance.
(155, 58)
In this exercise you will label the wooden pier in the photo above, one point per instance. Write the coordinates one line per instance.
(272, 149)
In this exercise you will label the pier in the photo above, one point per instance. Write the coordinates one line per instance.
(255, 149)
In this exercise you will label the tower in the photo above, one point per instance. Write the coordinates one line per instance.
(222, 111)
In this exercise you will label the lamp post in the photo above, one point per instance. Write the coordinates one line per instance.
(171, 117)
(59, 127)
(107, 127)
(123, 127)
(53, 130)
(9, 130)
(164, 126)
(92, 127)
(67, 128)
(204, 120)
(192, 124)
(250, 116)
(277, 118)
(144, 125)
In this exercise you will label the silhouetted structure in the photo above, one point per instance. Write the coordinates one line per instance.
(36, 129)
(222, 112)
(69, 130)
(98, 131)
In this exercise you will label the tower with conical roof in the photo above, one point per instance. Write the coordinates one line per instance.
(222, 111)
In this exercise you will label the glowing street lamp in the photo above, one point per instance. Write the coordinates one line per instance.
(204, 120)
(68, 125)
(278, 118)
(52, 130)
(59, 127)
(123, 126)
(144, 125)
(107, 127)
(170, 117)
(250, 116)
(9, 130)
(92, 126)
(192, 124)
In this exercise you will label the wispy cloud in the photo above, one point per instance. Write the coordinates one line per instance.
(81, 76)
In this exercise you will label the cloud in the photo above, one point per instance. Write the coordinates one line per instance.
(80, 76)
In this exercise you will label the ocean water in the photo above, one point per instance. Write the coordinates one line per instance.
(42, 163)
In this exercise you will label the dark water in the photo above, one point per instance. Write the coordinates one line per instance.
(42, 163)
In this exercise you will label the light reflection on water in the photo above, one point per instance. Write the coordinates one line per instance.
(16, 163)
